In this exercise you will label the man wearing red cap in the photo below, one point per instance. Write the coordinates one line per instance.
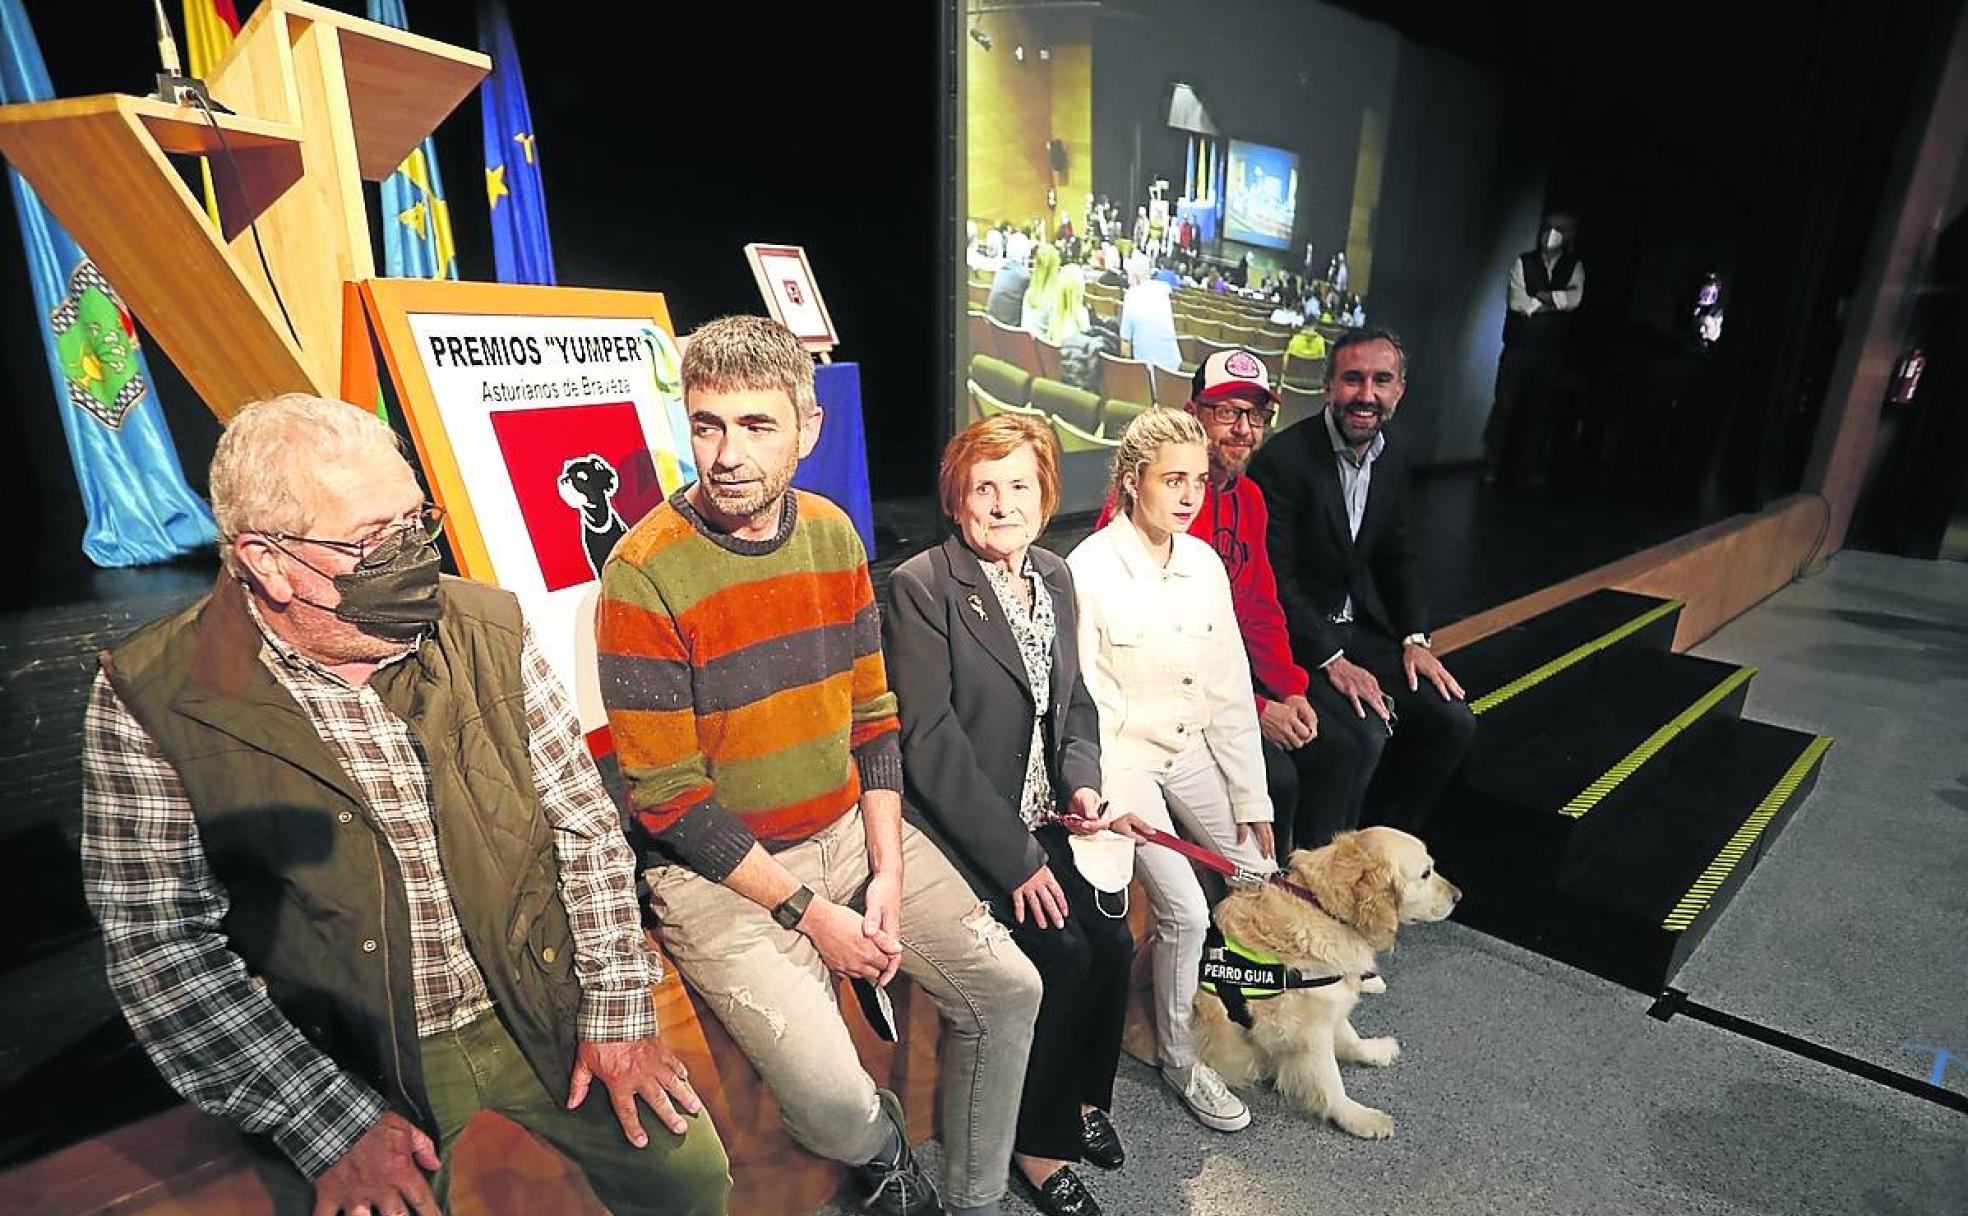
(1315, 781)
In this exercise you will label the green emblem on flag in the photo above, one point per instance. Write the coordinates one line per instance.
(97, 342)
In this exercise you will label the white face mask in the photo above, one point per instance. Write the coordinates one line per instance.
(1553, 239)
(1106, 861)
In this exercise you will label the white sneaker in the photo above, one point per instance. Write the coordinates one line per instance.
(1207, 1097)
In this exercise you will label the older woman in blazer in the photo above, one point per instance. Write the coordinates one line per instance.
(1001, 760)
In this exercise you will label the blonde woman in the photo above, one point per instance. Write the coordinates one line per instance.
(1069, 312)
(1179, 742)
(1080, 345)
(1043, 292)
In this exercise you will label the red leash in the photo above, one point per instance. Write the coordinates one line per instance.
(1231, 870)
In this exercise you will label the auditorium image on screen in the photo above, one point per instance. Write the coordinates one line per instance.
(1261, 195)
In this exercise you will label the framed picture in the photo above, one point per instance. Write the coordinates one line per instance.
(786, 282)
(547, 422)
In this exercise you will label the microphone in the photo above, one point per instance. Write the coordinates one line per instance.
(173, 85)
(167, 45)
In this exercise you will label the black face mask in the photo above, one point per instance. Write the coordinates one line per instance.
(391, 593)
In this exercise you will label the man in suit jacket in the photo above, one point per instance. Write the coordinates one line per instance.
(1341, 543)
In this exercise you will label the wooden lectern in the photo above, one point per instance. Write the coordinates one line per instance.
(325, 101)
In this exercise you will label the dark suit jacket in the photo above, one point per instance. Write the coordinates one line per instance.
(1316, 558)
(967, 711)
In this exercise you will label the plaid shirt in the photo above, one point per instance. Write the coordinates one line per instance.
(209, 1026)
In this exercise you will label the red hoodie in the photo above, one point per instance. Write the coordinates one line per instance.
(1232, 523)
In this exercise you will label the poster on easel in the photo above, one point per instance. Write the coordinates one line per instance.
(547, 421)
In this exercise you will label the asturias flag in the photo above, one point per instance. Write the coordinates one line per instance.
(520, 245)
(133, 489)
(417, 240)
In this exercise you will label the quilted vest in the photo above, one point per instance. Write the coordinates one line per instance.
(318, 909)
(1546, 327)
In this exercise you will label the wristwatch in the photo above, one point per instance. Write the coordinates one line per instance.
(793, 907)
(1419, 639)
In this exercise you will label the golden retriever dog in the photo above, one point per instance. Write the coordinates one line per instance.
(1368, 884)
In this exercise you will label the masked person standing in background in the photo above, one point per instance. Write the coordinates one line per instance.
(357, 876)
(1547, 284)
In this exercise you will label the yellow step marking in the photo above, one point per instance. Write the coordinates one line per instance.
(1696, 900)
(1606, 782)
(1538, 675)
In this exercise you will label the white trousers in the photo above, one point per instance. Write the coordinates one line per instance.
(1185, 796)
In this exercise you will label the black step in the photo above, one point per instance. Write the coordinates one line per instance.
(1638, 904)
(1519, 817)
(1600, 613)
(1588, 762)
(1520, 678)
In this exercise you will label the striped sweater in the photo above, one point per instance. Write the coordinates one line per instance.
(744, 680)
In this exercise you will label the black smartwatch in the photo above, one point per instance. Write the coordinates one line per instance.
(793, 907)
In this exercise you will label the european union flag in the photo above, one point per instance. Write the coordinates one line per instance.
(520, 245)
(417, 240)
(133, 489)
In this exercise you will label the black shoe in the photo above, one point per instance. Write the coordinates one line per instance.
(1062, 1195)
(1099, 1140)
(901, 1189)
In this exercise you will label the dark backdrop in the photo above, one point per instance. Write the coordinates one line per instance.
(667, 143)
(1739, 135)
(1684, 136)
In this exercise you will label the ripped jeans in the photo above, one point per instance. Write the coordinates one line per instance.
(778, 1003)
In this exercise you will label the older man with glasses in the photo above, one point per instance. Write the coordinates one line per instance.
(1310, 776)
(357, 876)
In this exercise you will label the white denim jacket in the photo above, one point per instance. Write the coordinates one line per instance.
(1162, 657)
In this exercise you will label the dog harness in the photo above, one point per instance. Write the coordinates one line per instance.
(1237, 975)
(1232, 972)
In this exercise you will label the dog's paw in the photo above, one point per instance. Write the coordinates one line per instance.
(1373, 984)
(1379, 1052)
(1364, 1122)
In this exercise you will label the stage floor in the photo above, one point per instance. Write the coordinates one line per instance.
(1853, 932)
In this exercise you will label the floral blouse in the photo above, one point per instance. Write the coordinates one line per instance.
(1034, 631)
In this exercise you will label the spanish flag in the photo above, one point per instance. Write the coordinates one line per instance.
(209, 29)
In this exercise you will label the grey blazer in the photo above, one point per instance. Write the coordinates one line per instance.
(967, 710)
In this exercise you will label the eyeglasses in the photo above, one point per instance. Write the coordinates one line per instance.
(425, 527)
(1226, 413)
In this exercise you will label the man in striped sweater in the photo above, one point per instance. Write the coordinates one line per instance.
(740, 661)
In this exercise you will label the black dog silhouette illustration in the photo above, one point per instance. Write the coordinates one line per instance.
(587, 483)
